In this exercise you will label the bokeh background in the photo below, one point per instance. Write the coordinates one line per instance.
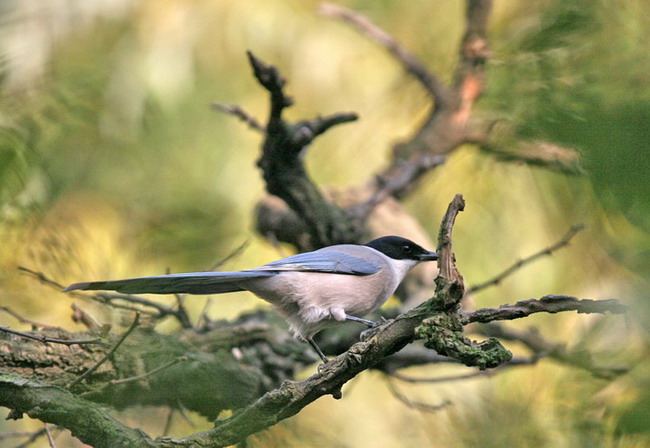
(113, 164)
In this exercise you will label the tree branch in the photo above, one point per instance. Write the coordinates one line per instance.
(240, 113)
(114, 299)
(449, 283)
(550, 303)
(542, 347)
(46, 339)
(87, 421)
(24, 320)
(283, 168)
(521, 263)
(409, 61)
(110, 353)
(447, 126)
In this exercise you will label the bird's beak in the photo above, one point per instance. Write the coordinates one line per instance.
(428, 256)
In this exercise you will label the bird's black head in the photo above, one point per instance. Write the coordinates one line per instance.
(399, 248)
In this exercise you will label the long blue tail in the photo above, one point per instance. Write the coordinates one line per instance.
(191, 283)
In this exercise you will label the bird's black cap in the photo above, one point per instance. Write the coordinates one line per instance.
(399, 248)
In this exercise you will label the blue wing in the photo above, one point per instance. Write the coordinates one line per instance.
(322, 261)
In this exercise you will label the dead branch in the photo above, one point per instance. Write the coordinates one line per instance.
(283, 168)
(551, 303)
(110, 353)
(240, 113)
(542, 347)
(115, 300)
(411, 63)
(149, 373)
(50, 439)
(449, 276)
(82, 317)
(521, 263)
(414, 404)
(23, 320)
(88, 421)
(46, 339)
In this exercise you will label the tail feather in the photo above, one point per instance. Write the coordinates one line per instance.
(191, 283)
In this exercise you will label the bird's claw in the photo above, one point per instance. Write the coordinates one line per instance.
(370, 332)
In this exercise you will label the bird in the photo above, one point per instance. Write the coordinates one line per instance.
(311, 290)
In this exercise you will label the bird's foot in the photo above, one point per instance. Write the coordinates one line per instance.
(321, 367)
(370, 332)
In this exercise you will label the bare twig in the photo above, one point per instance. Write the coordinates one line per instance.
(82, 317)
(535, 153)
(443, 379)
(234, 253)
(527, 361)
(547, 304)
(186, 417)
(50, 439)
(411, 63)
(15, 434)
(126, 334)
(449, 278)
(114, 299)
(24, 320)
(521, 263)
(41, 278)
(419, 405)
(448, 125)
(240, 113)
(151, 372)
(542, 347)
(203, 317)
(33, 436)
(180, 312)
(168, 422)
(46, 339)
(283, 166)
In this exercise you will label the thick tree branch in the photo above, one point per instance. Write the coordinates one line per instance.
(447, 126)
(469, 79)
(283, 168)
(87, 421)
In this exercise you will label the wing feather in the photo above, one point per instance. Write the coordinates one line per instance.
(323, 261)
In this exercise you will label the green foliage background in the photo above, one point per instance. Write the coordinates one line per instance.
(112, 164)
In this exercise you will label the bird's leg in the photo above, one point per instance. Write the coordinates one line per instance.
(317, 350)
(369, 323)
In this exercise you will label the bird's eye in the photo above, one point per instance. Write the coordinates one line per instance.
(406, 249)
